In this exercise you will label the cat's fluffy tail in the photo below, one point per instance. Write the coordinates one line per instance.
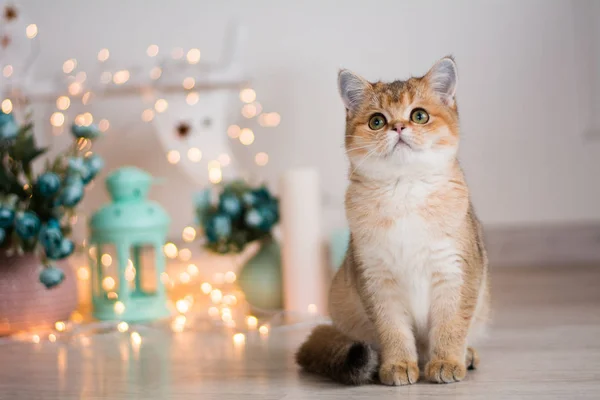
(329, 352)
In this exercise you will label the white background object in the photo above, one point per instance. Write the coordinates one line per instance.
(302, 252)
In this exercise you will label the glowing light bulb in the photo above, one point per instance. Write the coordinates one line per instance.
(206, 287)
(185, 254)
(189, 83)
(103, 55)
(112, 296)
(85, 99)
(189, 233)
(7, 106)
(7, 71)
(69, 65)
(31, 31)
(249, 111)
(35, 339)
(213, 312)
(192, 98)
(119, 307)
(123, 327)
(164, 278)
(75, 88)
(57, 119)
(136, 339)
(261, 159)
(173, 156)
(155, 73)
(106, 260)
(247, 95)
(216, 296)
(182, 306)
(129, 273)
(152, 50)
(83, 273)
(120, 77)
(192, 269)
(161, 105)
(52, 338)
(233, 131)
(80, 77)
(103, 125)
(108, 283)
(193, 56)
(63, 103)
(147, 115)
(87, 119)
(252, 322)
(264, 331)
(170, 250)
(215, 175)
(194, 154)
(60, 326)
(230, 277)
(247, 137)
(184, 277)
(239, 339)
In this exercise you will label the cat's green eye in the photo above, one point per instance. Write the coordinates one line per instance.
(377, 122)
(419, 116)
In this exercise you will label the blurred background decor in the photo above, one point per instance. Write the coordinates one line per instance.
(243, 215)
(37, 212)
(126, 248)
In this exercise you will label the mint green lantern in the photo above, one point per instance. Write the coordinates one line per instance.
(134, 229)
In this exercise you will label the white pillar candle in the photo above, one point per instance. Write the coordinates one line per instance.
(302, 252)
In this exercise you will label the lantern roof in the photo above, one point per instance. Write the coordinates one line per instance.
(130, 210)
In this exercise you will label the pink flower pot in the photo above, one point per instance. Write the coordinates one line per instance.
(26, 304)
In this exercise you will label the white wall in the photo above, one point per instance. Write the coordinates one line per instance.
(523, 94)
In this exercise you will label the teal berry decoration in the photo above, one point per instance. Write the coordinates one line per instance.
(231, 205)
(218, 227)
(50, 235)
(72, 193)
(4, 118)
(27, 225)
(48, 184)
(94, 164)
(7, 217)
(2, 235)
(51, 277)
(249, 199)
(85, 132)
(9, 130)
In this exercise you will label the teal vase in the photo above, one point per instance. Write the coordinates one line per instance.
(260, 278)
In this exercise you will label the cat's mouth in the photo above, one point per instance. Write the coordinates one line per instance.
(401, 142)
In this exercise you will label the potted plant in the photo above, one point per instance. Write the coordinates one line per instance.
(36, 216)
(243, 215)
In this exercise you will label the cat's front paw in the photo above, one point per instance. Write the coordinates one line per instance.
(400, 373)
(445, 371)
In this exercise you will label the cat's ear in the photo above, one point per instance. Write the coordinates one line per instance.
(443, 78)
(352, 88)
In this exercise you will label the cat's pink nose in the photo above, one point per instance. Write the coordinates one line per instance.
(398, 127)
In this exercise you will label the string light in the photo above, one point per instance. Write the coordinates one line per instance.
(206, 287)
(269, 120)
(81, 77)
(31, 31)
(247, 95)
(120, 77)
(215, 175)
(173, 156)
(136, 339)
(252, 322)
(106, 260)
(75, 88)
(264, 330)
(224, 159)
(261, 159)
(247, 136)
(213, 312)
(230, 300)
(155, 73)
(35, 339)
(108, 283)
(194, 154)
(189, 83)
(233, 131)
(178, 324)
(249, 110)
(192, 98)
(164, 278)
(177, 53)
(63, 103)
(182, 306)
(7, 71)
(57, 119)
(239, 339)
(103, 125)
(193, 56)
(152, 50)
(7, 106)
(184, 277)
(60, 326)
(147, 115)
(230, 277)
(170, 250)
(185, 254)
(69, 65)
(123, 327)
(129, 273)
(112, 295)
(216, 296)
(119, 307)
(52, 338)
(83, 273)
(103, 55)
(161, 105)
(189, 234)
(85, 99)
(192, 269)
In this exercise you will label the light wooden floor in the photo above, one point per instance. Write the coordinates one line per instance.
(544, 344)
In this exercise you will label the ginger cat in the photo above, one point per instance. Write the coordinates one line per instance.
(412, 293)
